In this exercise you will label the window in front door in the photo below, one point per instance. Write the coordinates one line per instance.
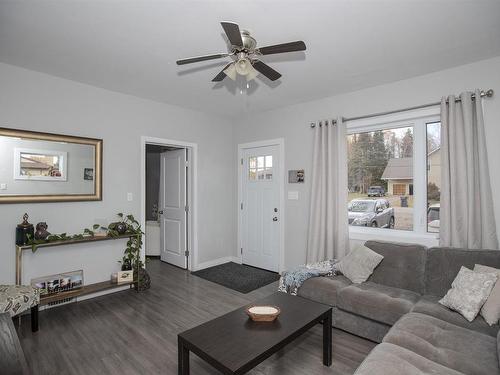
(260, 168)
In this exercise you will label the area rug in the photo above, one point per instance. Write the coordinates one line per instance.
(238, 277)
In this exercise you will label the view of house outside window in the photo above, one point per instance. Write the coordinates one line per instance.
(380, 178)
(433, 175)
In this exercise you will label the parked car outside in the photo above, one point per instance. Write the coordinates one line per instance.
(433, 222)
(376, 213)
(376, 191)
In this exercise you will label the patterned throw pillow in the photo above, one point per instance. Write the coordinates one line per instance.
(359, 264)
(491, 308)
(469, 291)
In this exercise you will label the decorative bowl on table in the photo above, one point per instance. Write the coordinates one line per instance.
(263, 313)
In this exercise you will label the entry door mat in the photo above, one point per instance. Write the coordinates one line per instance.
(238, 277)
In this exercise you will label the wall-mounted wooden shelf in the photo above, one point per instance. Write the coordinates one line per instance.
(86, 289)
(72, 242)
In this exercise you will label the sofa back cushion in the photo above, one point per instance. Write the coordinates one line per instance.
(403, 265)
(443, 264)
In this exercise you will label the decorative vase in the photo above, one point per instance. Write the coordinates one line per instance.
(24, 230)
(144, 281)
(41, 231)
(121, 228)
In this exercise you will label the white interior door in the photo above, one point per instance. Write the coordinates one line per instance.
(173, 215)
(260, 207)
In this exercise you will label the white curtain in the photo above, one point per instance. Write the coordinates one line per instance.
(467, 217)
(328, 226)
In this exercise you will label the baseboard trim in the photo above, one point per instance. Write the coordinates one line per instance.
(216, 262)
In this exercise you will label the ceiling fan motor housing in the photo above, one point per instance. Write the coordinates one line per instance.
(249, 43)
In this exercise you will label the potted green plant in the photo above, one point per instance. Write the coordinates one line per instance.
(131, 259)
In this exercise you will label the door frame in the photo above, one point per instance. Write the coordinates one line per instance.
(192, 199)
(281, 177)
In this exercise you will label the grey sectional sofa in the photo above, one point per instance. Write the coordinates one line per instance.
(398, 307)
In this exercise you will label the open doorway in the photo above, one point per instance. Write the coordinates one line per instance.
(168, 178)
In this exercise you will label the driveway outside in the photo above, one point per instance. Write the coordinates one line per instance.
(403, 215)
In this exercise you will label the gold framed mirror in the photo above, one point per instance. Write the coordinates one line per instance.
(45, 167)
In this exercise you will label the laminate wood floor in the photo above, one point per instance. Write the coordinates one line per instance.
(136, 333)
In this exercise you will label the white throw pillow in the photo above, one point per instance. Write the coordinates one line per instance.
(359, 264)
(469, 292)
(491, 308)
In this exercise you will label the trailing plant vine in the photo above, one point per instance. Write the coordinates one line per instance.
(62, 237)
(131, 257)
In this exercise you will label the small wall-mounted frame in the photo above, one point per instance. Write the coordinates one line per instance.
(296, 176)
(44, 167)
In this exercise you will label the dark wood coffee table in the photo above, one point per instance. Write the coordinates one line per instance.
(234, 344)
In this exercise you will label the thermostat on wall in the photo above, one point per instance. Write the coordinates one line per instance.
(295, 176)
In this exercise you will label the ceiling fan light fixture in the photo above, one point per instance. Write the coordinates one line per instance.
(230, 71)
(252, 74)
(243, 66)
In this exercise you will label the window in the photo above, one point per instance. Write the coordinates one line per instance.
(394, 174)
(260, 168)
(433, 175)
(380, 164)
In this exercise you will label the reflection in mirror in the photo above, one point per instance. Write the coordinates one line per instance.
(41, 167)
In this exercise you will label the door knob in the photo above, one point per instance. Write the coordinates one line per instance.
(275, 218)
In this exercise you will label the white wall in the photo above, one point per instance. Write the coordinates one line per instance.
(35, 101)
(292, 123)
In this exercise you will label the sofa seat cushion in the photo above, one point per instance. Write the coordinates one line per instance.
(429, 305)
(378, 302)
(323, 289)
(461, 349)
(389, 359)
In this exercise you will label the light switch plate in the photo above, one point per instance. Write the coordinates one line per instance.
(293, 195)
(130, 197)
(3, 186)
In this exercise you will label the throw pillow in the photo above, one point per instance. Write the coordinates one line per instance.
(491, 308)
(469, 292)
(359, 264)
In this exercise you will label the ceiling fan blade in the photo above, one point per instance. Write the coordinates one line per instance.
(282, 48)
(266, 70)
(232, 31)
(202, 58)
(219, 77)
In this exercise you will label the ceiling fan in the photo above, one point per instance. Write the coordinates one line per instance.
(245, 55)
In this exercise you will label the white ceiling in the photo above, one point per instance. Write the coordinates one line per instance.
(130, 46)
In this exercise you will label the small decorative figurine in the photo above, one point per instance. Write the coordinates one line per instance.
(24, 230)
(41, 231)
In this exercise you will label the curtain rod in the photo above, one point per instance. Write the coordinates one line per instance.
(488, 93)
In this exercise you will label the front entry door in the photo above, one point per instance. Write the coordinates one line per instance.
(260, 207)
(172, 202)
